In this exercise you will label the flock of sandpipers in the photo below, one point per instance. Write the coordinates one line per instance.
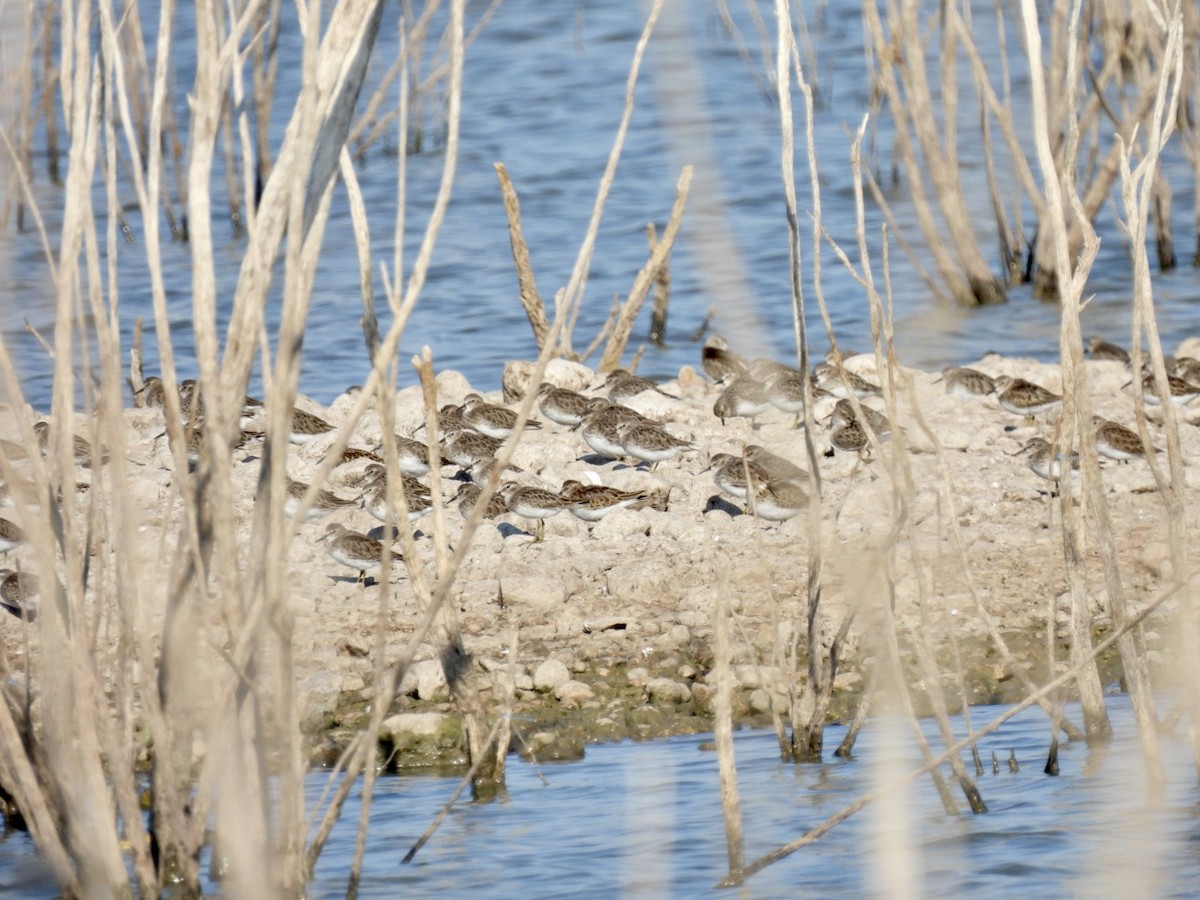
(769, 486)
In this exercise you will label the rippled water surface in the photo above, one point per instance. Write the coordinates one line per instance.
(543, 92)
(644, 819)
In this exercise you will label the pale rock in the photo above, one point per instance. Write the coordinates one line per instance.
(412, 724)
(550, 675)
(573, 693)
(319, 694)
(847, 681)
(518, 376)
(532, 591)
(647, 580)
(664, 690)
(621, 523)
(637, 675)
(426, 679)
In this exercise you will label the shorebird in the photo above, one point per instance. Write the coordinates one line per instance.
(323, 503)
(465, 448)
(650, 443)
(601, 427)
(11, 536)
(416, 498)
(843, 414)
(534, 503)
(468, 496)
(784, 389)
(412, 456)
(562, 406)
(1024, 398)
(1045, 460)
(777, 501)
(719, 362)
(19, 594)
(967, 382)
(734, 476)
(490, 419)
(744, 397)
(1115, 441)
(1102, 349)
(81, 449)
(624, 386)
(354, 550)
(841, 382)
(1180, 392)
(307, 427)
(592, 502)
(776, 467)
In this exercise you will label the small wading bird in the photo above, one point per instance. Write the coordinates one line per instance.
(354, 550)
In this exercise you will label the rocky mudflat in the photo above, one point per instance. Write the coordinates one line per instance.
(613, 619)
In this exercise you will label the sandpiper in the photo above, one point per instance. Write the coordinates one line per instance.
(19, 594)
(1099, 348)
(841, 382)
(719, 363)
(151, 394)
(11, 536)
(481, 470)
(468, 496)
(850, 437)
(650, 443)
(307, 427)
(745, 397)
(354, 550)
(465, 448)
(843, 414)
(534, 503)
(1046, 461)
(966, 382)
(490, 419)
(561, 405)
(323, 503)
(1115, 441)
(1024, 398)
(416, 498)
(623, 385)
(776, 467)
(1188, 369)
(592, 502)
(357, 454)
(777, 501)
(784, 389)
(412, 456)
(601, 427)
(81, 449)
(734, 476)
(1180, 391)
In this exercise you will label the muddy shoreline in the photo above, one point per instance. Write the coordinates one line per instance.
(614, 620)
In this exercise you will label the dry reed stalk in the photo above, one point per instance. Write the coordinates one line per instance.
(527, 291)
(362, 240)
(1076, 404)
(1041, 693)
(723, 726)
(900, 56)
(646, 277)
(662, 293)
(1137, 189)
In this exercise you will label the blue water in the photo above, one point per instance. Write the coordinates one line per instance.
(543, 91)
(644, 819)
